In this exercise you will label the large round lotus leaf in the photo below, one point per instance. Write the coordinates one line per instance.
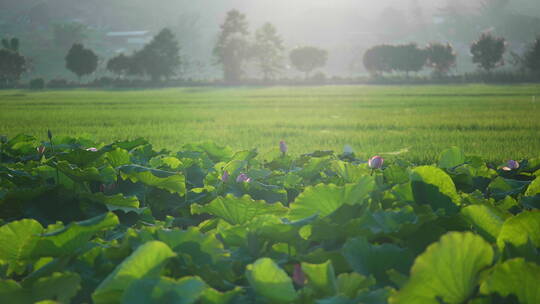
(516, 277)
(448, 270)
(270, 281)
(323, 199)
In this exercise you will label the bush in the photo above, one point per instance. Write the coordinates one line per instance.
(37, 84)
(103, 82)
(59, 83)
(318, 77)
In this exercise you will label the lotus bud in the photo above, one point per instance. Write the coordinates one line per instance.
(92, 149)
(376, 162)
(348, 149)
(511, 165)
(298, 275)
(225, 176)
(283, 147)
(49, 134)
(41, 149)
(243, 178)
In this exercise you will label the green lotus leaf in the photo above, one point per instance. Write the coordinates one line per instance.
(432, 186)
(270, 281)
(145, 262)
(350, 283)
(369, 259)
(447, 271)
(515, 277)
(238, 210)
(215, 152)
(451, 158)
(349, 173)
(534, 187)
(186, 290)
(90, 174)
(204, 248)
(487, 220)
(212, 296)
(521, 229)
(59, 286)
(118, 157)
(169, 181)
(323, 199)
(74, 236)
(321, 277)
(19, 239)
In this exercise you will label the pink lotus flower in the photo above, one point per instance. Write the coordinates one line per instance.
(41, 149)
(225, 176)
(511, 165)
(92, 149)
(375, 162)
(243, 178)
(283, 147)
(299, 277)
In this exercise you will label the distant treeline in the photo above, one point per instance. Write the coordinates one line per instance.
(160, 60)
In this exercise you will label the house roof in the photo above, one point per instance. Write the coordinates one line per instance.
(127, 34)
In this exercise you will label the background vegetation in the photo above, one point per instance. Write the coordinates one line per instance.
(497, 122)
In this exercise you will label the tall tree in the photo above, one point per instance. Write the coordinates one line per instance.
(306, 59)
(378, 59)
(12, 63)
(488, 51)
(268, 50)
(161, 57)
(440, 57)
(232, 47)
(81, 61)
(532, 56)
(119, 65)
(408, 58)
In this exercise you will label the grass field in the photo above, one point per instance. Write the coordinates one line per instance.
(497, 122)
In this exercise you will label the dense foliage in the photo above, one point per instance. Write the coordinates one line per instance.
(306, 59)
(407, 58)
(268, 51)
(488, 51)
(12, 63)
(80, 60)
(123, 223)
(232, 47)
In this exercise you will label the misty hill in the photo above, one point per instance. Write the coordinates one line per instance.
(344, 27)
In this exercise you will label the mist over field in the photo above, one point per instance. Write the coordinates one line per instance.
(270, 151)
(345, 28)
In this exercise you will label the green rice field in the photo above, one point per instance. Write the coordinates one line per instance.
(414, 122)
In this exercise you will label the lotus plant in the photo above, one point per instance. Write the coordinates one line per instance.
(243, 178)
(283, 147)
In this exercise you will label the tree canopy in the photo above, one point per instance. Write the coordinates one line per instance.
(488, 51)
(306, 59)
(268, 50)
(81, 61)
(232, 48)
